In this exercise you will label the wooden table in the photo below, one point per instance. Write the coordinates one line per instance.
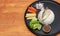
(12, 17)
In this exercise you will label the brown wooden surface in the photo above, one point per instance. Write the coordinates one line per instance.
(12, 17)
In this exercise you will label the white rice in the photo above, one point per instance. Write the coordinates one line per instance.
(49, 19)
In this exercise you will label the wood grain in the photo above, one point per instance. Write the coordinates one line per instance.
(12, 17)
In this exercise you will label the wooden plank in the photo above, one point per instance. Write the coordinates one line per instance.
(12, 18)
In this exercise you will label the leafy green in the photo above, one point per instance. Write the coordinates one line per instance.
(34, 24)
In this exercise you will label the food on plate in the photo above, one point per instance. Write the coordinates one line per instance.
(34, 24)
(30, 18)
(39, 5)
(46, 16)
(30, 15)
(46, 28)
(32, 10)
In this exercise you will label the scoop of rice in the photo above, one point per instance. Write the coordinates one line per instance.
(48, 16)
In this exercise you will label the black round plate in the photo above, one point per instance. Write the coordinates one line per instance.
(55, 25)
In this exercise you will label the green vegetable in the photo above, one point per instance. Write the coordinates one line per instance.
(34, 24)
